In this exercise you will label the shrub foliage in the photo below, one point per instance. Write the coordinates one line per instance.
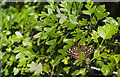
(35, 38)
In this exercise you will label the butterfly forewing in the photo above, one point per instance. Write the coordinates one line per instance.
(76, 51)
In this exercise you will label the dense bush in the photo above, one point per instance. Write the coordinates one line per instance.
(35, 38)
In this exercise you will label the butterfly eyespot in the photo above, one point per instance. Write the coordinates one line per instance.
(69, 49)
(76, 51)
(74, 48)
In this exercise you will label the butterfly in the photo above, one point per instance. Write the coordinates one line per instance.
(76, 51)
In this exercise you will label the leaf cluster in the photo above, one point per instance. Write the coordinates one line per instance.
(35, 43)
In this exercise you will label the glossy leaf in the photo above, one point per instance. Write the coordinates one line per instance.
(118, 72)
(68, 41)
(95, 36)
(90, 8)
(27, 42)
(100, 63)
(104, 55)
(100, 12)
(65, 60)
(51, 42)
(105, 70)
(97, 54)
(16, 71)
(81, 71)
(19, 35)
(110, 20)
(46, 68)
(116, 58)
(107, 30)
(72, 19)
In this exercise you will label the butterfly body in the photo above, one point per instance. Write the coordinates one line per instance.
(76, 51)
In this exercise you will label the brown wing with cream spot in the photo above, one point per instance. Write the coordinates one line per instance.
(76, 51)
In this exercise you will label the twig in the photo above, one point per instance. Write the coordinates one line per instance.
(98, 69)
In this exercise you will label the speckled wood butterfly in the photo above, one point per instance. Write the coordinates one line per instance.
(75, 51)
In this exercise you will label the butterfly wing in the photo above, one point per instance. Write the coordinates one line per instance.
(87, 50)
(76, 51)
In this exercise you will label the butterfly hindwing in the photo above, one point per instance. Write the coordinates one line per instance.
(75, 51)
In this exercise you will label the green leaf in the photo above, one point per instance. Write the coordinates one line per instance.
(18, 49)
(64, 10)
(99, 12)
(43, 14)
(5, 41)
(47, 29)
(7, 32)
(66, 5)
(12, 58)
(46, 68)
(101, 31)
(22, 61)
(74, 11)
(62, 18)
(51, 42)
(118, 18)
(90, 11)
(105, 70)
(44, 35)
(83, 40)
(97, 53)
(20, 55)
(72, 19)
(16, 71)
(65, 60)
(82, 56)
(99, 63)
(66, 69)
(28, 53)
(57, 60)
(83, 22)
(19, 35)
(93, 20)
(39, 28)
(71, 26)
(62, 51)
(69, 41)
(55, 35)
(104, 55)
(118, 72)
(116, 58)
(90, 8)
(26, 42)
(95, 36)
(14, 39)
(81, 71)
(50, 49)
(1, 55)
(107, 30)
(110, 20)
(51, 62)
(65, 25)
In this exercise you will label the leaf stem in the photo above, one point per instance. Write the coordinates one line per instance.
(102, 42)
(98, 48)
